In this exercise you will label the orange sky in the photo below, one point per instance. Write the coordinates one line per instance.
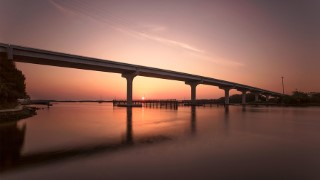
(249, 42)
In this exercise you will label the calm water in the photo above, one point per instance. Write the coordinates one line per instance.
(99, 141)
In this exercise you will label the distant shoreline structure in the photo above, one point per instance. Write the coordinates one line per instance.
(296, 99)
(200, 102)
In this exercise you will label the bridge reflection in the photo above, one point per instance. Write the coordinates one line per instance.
(193, 120)
(11, 143)
(12, 140)
(129, 136)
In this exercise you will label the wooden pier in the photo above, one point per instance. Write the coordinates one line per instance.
(151, 103)
(164, 103)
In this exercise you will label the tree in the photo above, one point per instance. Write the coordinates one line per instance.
(12, 82)
(315, 98)
(299, 98)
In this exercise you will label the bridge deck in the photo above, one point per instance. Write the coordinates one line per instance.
(44, 57)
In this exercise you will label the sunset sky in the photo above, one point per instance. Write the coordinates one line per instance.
(245, 41)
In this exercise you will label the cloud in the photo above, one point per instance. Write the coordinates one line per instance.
(170, 42)
(227, 63)
(217, 60)
(154, 28)
(120, 24)
(62, 9)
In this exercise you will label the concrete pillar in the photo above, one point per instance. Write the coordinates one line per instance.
(267, 97)
(244, 96)
(226, 94)
(9, 53)
(193, 86)
(256, 97)
(129, 77)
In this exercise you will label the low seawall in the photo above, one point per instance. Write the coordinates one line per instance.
(17, 113)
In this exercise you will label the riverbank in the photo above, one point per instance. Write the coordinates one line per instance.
(20, 112)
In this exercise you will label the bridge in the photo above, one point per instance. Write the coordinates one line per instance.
(127, 71)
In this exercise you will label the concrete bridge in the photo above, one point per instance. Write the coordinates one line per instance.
(128, 71)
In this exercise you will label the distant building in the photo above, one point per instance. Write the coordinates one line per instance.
(311, 94)
(24, 101)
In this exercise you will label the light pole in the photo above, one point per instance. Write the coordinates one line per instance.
(282, 86)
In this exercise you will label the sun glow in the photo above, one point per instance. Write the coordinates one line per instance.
(142, 97)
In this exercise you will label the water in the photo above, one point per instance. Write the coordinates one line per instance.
(99, 141)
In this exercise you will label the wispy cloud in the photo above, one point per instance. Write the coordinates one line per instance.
(170, 42)
(120, 21)
(217, 60)
(62, 9)
(154, 28)
(224, 62)
(147, 31)
(227, 63)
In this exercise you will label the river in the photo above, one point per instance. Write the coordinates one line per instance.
(99, 141)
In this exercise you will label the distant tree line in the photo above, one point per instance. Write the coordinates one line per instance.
(300, 98)
(297, 98)
(12, 83)
(250, 97)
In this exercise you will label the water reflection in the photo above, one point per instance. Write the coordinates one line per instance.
(129, 132)
(226, 109)
(226, 143)
(226, 119)
(193, 120)
(162, 107)
(11, 143)
(244, 108)
(12, 139)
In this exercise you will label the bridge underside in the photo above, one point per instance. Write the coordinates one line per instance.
(128, 71)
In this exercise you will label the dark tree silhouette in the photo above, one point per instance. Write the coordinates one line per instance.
(299, 97)
(12, 82)
(237, 98)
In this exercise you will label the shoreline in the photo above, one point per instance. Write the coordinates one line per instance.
(215, 103)
(22, 112)
(16, 114)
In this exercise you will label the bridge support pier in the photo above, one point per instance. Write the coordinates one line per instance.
(226, 94)
(129, 77)
(243, 96)
(256, 97)
(193, 85)
(267, 97)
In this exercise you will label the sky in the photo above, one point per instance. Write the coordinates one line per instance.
(252, 42)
